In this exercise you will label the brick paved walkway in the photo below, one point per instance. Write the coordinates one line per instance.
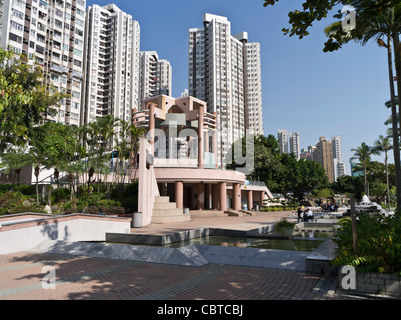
(81, 278)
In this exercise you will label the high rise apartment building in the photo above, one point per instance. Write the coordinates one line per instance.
(252, 85)
(155, 75)
(52, 33)
(294, 144)
(289, 142)
(328, 153)
(340, 167)
(337, 148)
(112, 64)
(282, 137)
(224, 71)
(324, 156)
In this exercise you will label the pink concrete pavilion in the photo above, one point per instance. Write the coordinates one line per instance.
(183, 138)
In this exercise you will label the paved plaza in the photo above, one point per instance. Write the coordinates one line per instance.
(80, 278)
(83, 277)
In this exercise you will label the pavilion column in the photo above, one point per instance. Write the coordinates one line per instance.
(250, 200)
(206, 145)
(133, 160)
(201, 148)
(214, 142)
(223, 196)
(215, 196)
(201, 196)
(262, 196)
(152, 126)
(207, 196)
(237, 196)
(179, 194)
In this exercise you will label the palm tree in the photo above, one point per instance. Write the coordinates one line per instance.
(15, 160)
(389, 121)
(122, 146)
(108, 125)
(108, 129)
(135, 133)
(96, 149)
(383, 144)
(37, 159)
(363, 154)
(81, 151)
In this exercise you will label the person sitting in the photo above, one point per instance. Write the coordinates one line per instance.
(310, 215)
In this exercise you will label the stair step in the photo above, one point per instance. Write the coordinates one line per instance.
(164, 205)
(171, 218)
(162, 199)
(167, 212)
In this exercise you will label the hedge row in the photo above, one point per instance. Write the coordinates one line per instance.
(278, 208)
(112, 210)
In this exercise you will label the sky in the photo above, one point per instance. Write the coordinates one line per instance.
(303, 89)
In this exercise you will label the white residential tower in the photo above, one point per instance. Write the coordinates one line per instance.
(155, 75)
(224, 71)
(51, 32)
(112, 67)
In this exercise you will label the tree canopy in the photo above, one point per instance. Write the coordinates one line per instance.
(282, 173)
(24, 97)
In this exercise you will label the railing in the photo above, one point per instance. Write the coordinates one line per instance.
(209, 121)
(255, 183)
(141, 118)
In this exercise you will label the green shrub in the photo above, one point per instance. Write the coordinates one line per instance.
(130, 190)
(11, 200)
(114, 210)
(71, 210)
(108, 203)
(94, 198)
(92, 210)
(64, 194)
(26, 190)
(378, 242)
(22, 209)
(284, 224)
(69, 204)
(4, 188)
(130, 203)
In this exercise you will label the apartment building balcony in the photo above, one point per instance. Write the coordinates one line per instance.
(59, 69)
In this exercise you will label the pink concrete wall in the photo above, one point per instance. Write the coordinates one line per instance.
(147, 188)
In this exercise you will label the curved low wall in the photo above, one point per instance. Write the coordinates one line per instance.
(23, 232)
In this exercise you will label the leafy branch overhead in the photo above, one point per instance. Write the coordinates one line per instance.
(301, 20)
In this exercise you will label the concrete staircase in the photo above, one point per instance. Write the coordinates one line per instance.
(165, 211)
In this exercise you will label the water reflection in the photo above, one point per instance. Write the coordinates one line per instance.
(298, 244)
